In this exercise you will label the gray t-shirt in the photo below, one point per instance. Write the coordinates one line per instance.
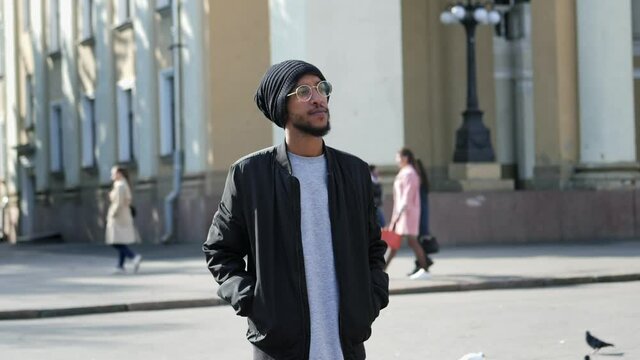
(322, 285)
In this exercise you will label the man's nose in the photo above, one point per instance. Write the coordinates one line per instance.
(316, 98)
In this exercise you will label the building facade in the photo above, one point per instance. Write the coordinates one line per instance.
(166, 87)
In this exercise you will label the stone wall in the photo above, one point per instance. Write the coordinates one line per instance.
(455, 218)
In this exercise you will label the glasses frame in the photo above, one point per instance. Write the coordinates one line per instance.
(295, 92)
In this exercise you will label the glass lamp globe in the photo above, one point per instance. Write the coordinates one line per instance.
(481, 15)
(459, 12)
(447, 17)
(494, 17)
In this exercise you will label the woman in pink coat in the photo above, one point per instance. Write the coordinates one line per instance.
(405, 220)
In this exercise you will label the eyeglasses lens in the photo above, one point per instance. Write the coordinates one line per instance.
(303, 92)
(324, 88)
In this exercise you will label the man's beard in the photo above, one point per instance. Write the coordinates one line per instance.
(308, 129)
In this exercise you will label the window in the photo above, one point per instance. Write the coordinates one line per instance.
(26, 12)
(125, 125)
(87, 19)
(54, 26)
(124, 12)
(88, 124)
(1, 43)
(55, 139)
(635, 19)
(3, 150)
(29, 120)
(162, 4)
(167, 122)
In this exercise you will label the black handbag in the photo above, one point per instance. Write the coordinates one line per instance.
(429, 244)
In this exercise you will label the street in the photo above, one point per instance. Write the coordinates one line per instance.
(544, 324)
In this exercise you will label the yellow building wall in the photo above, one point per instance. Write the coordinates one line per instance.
(238, 57)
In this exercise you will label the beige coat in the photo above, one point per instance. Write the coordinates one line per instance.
(120, 228)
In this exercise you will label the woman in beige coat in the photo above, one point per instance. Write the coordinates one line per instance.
(121, 231)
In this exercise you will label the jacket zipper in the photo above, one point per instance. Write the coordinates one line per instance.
(332, 219)
(304, 303)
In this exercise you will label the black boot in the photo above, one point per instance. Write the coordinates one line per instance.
(415, 269)
(429, 262)
(417, 265)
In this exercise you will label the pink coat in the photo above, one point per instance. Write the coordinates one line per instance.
(406, 195)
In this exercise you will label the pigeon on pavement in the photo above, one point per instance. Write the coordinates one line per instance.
(595, 343)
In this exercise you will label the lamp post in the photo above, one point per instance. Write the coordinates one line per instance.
(473, 139)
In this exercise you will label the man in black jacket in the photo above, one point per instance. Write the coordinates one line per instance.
(303, 215)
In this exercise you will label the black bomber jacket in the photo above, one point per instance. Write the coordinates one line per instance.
(259, 217)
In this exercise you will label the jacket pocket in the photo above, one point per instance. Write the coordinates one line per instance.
(357, 319)
(272, 328)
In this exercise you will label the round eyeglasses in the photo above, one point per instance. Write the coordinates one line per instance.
(304, 92)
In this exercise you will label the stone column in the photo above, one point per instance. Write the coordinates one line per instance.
(194, 89)
(606, 103)
(11, 93)
(10, 102)
(146, 99)
(605, 71)
(41, 97)
(70, 125)
(555, 92)
(105, 103)
(515, 121)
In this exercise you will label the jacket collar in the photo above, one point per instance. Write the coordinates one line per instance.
(282, 156)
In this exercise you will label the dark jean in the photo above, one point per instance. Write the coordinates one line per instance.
(424, 213)
(380, 217)
(123, 252)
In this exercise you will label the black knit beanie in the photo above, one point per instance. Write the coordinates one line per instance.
(277, 82)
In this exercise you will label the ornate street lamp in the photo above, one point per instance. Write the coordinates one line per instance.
(473, 140)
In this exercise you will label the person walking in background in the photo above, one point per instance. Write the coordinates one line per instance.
(295, 245)
(405, 219)
(121, 232)
(377, 195)
(425, 231)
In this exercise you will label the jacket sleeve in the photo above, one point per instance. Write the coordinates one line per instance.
(226, 246)
(118, 202)
(377, 248)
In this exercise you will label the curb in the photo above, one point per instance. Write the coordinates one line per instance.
(194, 303)
(105, 309)
(517, 284)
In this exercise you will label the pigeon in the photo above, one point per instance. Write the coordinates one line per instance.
(473, 356)
(595, 343)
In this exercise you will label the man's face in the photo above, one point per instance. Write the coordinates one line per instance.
(309, 117)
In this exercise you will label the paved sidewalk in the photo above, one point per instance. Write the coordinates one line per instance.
(72, 279)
